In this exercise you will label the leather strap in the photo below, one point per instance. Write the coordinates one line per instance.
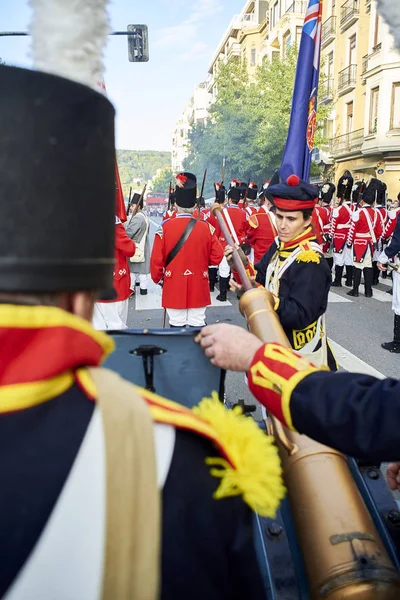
(182, 240)
(133, 529)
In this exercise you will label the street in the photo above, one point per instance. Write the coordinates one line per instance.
(356, 327)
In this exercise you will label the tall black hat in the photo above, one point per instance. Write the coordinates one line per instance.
(252, 191)
(358, 189)
(186, 190)
(345, 185)
(234, 194)
(294, 194)
(374, 192)
(327, 191)
(57, 161)
(242, 187)
(220, 192)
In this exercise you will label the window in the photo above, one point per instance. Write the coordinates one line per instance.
(377, 31)
(287, 42)
(253, 57)
(373, 110)
(328, 128)
(275, 14)
(349, 117)
(329, 65)
(352, 50)
(299, 31)
(395, 107)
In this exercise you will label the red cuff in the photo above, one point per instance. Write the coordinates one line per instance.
(273, 375)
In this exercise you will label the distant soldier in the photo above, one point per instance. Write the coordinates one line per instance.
(137, 228)
(339, 230)
(251, 207)
(261, 229)
(183, 250)
(392, 254)
(380, 207)
(170, 213)
(323, 214)
(111, 312)
(365, 230)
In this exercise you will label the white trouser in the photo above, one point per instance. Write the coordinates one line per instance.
(344, 258)
(110, 315)
(396, 293)
(194, 317)
(141, 278)
(366, 263)
(224, 269)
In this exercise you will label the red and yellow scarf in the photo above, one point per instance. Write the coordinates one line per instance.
(43, 351)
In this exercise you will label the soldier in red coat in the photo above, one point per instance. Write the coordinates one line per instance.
(261, 231)
(186, 292)
(365, 230)
(339, 231)
(113, 313)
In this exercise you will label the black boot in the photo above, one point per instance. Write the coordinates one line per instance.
(376, 272)
(368, 276)
(338, 276)
(349, 276)
(223, 288)
(356, 283)
(394, 346)
(212, 278)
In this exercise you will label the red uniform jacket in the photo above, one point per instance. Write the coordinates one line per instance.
(200, 214)
(340, 226)
(391, 223)
(363, 233)
(322, 223)
(250, 209)
(124, 248)
(238, 219)
(186, 277)
(169, 214)
(261, 232)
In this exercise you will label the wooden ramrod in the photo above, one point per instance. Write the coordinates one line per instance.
(343, 553)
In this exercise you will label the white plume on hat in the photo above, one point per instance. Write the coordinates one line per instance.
(390, 11)
(69, 37)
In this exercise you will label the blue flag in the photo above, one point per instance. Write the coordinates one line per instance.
(303, 118)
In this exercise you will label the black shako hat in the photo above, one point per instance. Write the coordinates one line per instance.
(57, 161)
(186, 190)
(327, 191)
(252, 191)
(374, 192)
(294, 194)
(345, 186)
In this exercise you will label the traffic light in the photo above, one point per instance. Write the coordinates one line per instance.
(138, 43)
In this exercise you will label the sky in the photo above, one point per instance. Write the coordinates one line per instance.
(149, 97)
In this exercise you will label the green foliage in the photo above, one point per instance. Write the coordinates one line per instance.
(163, 180)
(137, 167)
(248, 121)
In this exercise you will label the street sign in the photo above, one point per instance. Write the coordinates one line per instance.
(138, 43)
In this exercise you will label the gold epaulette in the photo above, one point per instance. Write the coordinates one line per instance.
(308, 254)
(249, 464)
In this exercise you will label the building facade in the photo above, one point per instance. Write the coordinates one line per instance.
(195, 112)
(362, 70)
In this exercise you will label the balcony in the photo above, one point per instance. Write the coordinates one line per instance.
(233, 50)
(349, 13)
(367, 6)
(349, 143)
(325, 93)
(328, 31)
(244, 21)
(347, 79)
(297, 8)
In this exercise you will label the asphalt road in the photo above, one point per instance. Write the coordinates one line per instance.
(356, 326)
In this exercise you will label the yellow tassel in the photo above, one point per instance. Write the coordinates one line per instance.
(256, 473)
(309, 256)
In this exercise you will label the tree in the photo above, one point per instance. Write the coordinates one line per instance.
(248, 121)
(163, 180)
